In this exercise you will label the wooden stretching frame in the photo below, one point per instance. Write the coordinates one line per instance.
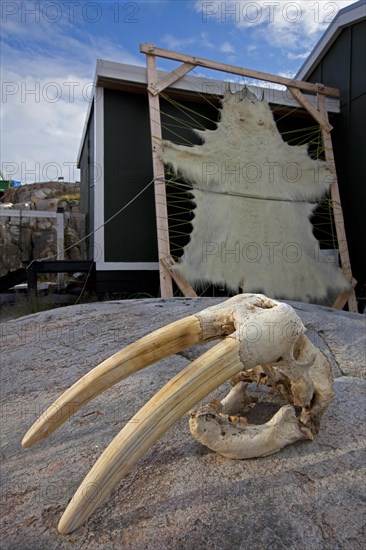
(296, 87)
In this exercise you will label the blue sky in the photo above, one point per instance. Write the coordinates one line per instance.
(49, 51)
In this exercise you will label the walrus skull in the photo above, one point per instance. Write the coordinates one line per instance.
(263, 341)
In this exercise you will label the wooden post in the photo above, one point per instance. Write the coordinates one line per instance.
(179, 280)
(31, 279)
(349, 296)
(165, 260)
(60, 243)
(166, 284)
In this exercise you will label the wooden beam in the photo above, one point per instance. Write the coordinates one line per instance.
(224, 67)
(321, 120)
(170, 78)
(161, 210)
(349, 296)
(180, 281)
(344, 297)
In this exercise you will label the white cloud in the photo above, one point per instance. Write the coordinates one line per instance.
(292, 25)
(205, 41)
(303, 55)
(43, 120)
(286, 74)
(175, 43)
(45, 96)
(226, 47)
(251, 48)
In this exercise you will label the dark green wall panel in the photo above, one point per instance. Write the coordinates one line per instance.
(131, 236)
(87, 185)
(358, 72)
(336, 64)
(343, 67)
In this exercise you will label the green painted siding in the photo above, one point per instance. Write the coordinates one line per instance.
(87, 185)
(343, 67)
(131, 236)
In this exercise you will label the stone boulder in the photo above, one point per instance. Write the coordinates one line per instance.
(34, 191)
(180, 495)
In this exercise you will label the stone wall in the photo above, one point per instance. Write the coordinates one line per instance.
(24, 239)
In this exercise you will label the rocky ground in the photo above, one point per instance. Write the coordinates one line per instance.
(180, 495)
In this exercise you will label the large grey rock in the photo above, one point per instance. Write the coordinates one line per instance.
(41, 190)
(180, 495)
(45, 204)
(71, 238)
(44, 242)
(22, 206)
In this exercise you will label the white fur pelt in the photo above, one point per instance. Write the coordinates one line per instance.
(251, 227)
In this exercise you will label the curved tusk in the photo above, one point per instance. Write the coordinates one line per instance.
(162, 411)
(149, 349)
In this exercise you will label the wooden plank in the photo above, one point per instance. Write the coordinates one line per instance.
(161, 210)
(170, 78)
(344, 297)
(350, 296)
(61, 266)
(180, 281)
(324, 123)
(224, 67)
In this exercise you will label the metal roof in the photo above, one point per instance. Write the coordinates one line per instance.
(347, 16)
